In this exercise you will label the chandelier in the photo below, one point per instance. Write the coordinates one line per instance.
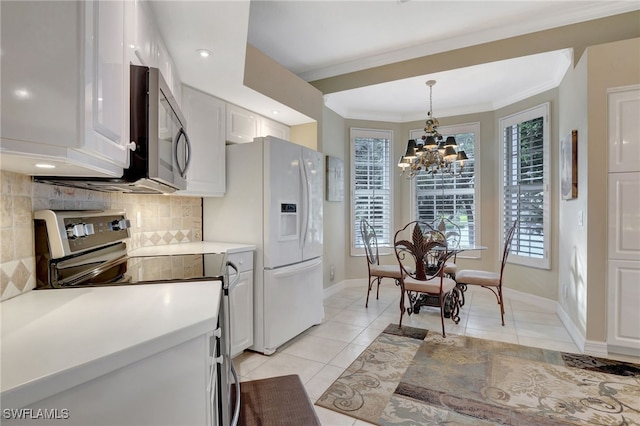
(432, 153)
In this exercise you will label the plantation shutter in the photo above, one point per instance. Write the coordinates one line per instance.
(451, 195)
(524, 186)
(371, 180)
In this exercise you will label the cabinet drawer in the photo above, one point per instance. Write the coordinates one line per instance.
(244, 260)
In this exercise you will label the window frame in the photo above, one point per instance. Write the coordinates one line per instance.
(383, 248)
(474, 128)
(542, 110)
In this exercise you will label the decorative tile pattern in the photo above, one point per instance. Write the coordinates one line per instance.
(155, 220)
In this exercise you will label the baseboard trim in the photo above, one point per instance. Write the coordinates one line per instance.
(599, 349)
(542, 302)
(341, 285)
(571, 328)
(333, 289)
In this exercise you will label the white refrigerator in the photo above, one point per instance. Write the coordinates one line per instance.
(274, 200)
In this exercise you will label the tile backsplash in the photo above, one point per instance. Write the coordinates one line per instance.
(155, 220)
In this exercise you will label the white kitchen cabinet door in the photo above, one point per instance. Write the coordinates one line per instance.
(623, 276)
(205, 117)
(241, 303)
(65, 88)
(107, 81)
(273, 128)
(623, 321)
(242, 125)
(168, 388)
(624, 129)
(624, 216)
(144, 35)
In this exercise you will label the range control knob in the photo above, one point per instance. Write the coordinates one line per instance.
(118, 225)
(88, 229)
(79, 230)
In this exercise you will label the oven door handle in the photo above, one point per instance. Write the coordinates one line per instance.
(236, 409)
(84, 277)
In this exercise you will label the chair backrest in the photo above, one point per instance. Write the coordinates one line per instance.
(370, 241)
(450, 229)
(507, 245)
(421, 250)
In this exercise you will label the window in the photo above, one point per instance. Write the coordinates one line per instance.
(371, 186)
(451, 196)
(525, 183)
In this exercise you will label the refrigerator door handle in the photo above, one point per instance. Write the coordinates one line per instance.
(306, 193)
(295, 269)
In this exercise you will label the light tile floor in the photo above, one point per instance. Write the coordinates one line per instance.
(321, 354)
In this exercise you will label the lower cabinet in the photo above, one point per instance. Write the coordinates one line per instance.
(167, 388)
(241, 303)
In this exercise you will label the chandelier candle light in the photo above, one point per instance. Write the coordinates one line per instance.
(432, 153)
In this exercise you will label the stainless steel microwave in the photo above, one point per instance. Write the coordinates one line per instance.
(158, 131)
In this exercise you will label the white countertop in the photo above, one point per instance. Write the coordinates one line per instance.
(53, 340)
(197, 247)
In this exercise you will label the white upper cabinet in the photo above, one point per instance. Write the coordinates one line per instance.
(148, 47)
(143, 42)
(65, 87)
(273, 128)
(244, 125)
(205, 116)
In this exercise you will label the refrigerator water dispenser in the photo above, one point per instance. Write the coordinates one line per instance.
(288, 221)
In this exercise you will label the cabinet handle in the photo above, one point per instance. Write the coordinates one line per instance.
(132, 146)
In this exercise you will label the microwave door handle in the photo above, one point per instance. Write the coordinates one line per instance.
(187, 156)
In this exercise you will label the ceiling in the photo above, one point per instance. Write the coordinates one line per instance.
(320, 39)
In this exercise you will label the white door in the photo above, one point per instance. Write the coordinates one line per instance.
(623, 284)
(284, 207)
(241, 306)
(314, 181)
(107, 82)
(205, 117)
(242, 125)
(292, 302)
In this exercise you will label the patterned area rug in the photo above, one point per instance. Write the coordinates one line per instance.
(412, 376)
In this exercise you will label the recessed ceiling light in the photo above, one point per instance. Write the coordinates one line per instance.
(204, 53)
(22, 93)
(45, 166)
(275, 112)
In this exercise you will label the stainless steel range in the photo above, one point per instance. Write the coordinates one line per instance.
(88, 248)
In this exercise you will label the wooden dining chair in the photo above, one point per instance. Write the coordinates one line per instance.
(487, 279)
(422, 252)
(376, 271)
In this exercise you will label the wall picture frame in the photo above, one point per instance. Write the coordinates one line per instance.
(569, 166)
(334, 178)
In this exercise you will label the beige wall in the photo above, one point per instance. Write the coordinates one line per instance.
(335, 225)
(164, 220)
(572, 248)
(305, 135)
(268, 77)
